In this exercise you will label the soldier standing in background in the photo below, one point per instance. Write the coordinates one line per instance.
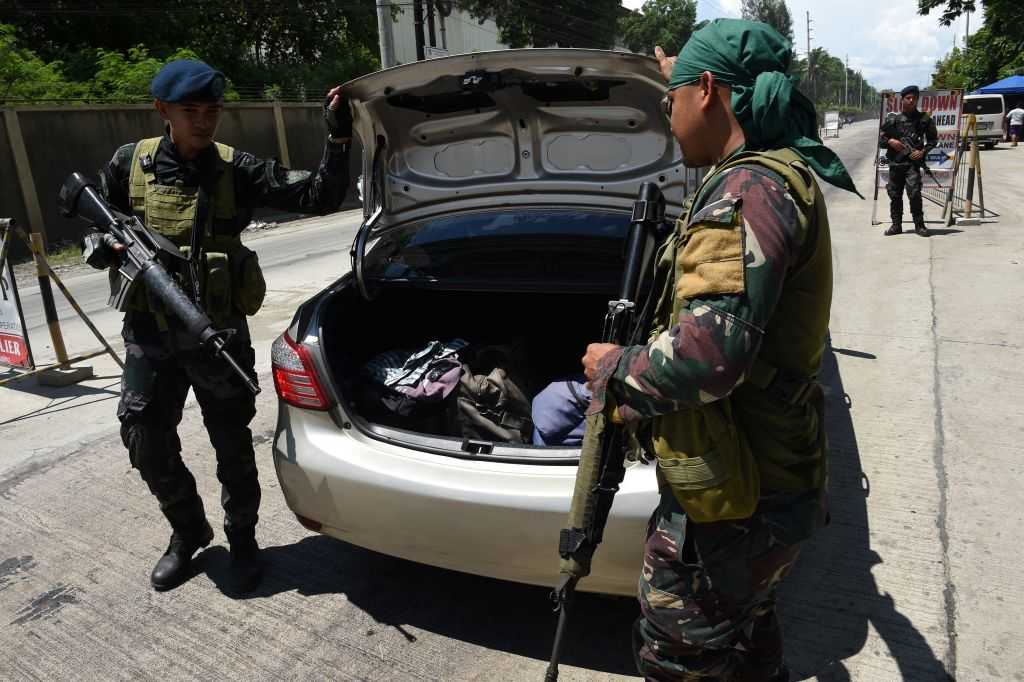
(200, 194)
(907, 137)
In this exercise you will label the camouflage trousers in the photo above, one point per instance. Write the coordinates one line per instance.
(904, 176)
(707, 592)
(160, 367)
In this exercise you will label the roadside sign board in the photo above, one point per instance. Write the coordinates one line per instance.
(945, 107)
(14, 348)
(832, 123)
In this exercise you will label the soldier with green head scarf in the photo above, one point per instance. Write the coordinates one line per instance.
(724, 395)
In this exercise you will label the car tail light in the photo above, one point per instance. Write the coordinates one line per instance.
(294, 375)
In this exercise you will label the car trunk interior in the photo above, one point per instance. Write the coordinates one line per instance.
(546, 334)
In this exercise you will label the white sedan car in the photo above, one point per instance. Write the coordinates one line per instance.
(498, 191)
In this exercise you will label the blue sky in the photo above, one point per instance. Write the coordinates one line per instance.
(885, 39)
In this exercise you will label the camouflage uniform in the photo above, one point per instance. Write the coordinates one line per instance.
(920, 129)
(162, 363)
(707, 589)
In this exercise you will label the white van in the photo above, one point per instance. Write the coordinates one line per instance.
(990, 111)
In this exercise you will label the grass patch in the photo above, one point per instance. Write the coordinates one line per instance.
(60, 255)
(64, 254)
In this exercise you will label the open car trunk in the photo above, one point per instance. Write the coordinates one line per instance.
(545, 335)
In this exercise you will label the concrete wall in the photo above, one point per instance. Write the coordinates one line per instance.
(11, 204)
(65, 139)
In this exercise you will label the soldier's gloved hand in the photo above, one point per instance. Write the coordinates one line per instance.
(337, 114)
(101, 250)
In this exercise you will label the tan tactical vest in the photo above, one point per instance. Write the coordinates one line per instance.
(230, 272)
(171, 209)
(768, 434)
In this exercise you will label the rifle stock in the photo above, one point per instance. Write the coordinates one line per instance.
(141, 261)
(603, 452)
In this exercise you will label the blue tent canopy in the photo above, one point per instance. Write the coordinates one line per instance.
(1013, 85)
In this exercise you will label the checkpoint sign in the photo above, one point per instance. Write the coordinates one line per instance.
(14, 348)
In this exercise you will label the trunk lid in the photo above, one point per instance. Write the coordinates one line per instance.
(557, 127)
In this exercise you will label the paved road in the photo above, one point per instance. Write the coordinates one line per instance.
(916, 578)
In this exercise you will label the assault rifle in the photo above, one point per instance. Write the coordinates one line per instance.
(603, 454)
(143, 250)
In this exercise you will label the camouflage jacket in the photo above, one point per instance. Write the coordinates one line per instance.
(916, 126)
(714, 337)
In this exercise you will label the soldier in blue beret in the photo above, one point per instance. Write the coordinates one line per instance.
(201, 194)
(907, 137)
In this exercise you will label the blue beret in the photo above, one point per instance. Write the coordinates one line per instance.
(910, 90)
(187, 79)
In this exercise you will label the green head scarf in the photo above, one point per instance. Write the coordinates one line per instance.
(752, 58)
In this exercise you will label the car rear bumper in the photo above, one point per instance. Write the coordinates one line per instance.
(489, 518)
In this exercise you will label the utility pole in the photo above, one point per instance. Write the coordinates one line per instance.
(444, 8)
(846, 81)
(417, 17)
(430, 23)
(810, 64)
(967, 31)
(387, 36)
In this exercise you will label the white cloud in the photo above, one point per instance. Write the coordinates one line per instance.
(885, 39)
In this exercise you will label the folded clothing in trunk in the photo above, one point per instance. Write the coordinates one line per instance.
(409, 382)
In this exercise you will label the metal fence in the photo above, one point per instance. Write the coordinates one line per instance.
(965, 195)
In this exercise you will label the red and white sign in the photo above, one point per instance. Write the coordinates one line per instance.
(14, 348)
(945, 107)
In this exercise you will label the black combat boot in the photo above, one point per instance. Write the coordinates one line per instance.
(246, 563)
(919, 226)
(173, 567)
(896, 228)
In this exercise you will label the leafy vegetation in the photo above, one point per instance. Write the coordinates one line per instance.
(668, 23)
(96, 51)
(543, 23)
(775, 13)
(993, 52)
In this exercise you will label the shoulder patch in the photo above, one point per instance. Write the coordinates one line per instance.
(722, 212)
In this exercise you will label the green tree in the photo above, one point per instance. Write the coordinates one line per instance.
(950, 72)
(24, 76)
(775, 13)
(993, 52)
(255, 42)
(831, 79)
(668, 23)
(987, 58)
(126, 78)
(539, 23)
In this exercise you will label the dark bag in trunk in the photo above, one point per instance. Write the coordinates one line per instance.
(491, 404)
